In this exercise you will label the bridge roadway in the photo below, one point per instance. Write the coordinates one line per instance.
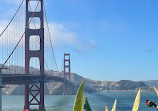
(23, 79)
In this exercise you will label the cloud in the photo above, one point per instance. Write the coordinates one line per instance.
(152, 50)
(64, 38)
(13, 33)
(59, 34)
(87, 45)
(61, 37)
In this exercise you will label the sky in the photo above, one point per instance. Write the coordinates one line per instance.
(109, 40)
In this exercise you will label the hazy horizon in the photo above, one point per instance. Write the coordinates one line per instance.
(108, 40)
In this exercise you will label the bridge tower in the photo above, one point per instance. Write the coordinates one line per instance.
(34, 94)
(67, 71)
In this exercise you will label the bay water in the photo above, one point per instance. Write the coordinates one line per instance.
(97, 101)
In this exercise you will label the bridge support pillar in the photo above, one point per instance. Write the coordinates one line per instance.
(67, 71)
(34, 94)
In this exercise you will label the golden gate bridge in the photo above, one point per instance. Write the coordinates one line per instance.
(26, 42)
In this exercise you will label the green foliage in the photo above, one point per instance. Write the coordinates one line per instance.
(86, 105)
(79, 98)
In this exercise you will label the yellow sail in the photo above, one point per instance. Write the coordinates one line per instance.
(106, 108)
(79, 98)
(114, 106)
(136, 102)
(156, 91)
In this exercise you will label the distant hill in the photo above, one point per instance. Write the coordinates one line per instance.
(90, 85)
(130, 85)
(151, 83)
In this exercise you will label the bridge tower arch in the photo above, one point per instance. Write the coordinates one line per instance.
(32, 92)
(67, 72)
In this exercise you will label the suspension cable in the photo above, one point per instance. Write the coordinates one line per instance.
(50, 36)
(12, 18)
(21, 37)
